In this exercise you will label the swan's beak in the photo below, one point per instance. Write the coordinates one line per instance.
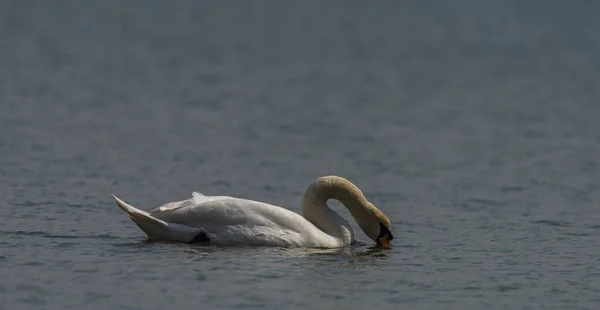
(384, 242)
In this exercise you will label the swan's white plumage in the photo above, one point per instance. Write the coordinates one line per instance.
(230, 221)
(224, 220)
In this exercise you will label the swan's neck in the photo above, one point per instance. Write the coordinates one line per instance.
(316, 211)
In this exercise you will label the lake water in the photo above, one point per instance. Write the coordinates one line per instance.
(474, 125)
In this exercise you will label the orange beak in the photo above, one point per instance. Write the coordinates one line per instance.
(385, 242)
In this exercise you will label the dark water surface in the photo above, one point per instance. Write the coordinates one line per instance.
(474, 125)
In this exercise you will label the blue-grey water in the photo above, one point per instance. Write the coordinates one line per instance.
(474, 125)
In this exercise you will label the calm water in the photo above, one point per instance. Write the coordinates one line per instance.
(473, 125)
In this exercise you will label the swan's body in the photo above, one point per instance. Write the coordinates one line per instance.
(223, 220)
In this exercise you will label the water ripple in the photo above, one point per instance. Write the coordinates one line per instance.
(58, 236)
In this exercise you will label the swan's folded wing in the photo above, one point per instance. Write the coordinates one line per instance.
(217, 211)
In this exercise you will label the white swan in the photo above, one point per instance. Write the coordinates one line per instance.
(222, 220)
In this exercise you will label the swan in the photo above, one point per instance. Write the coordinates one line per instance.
(224, 220)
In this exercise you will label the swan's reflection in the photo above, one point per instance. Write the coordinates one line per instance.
(356, 253)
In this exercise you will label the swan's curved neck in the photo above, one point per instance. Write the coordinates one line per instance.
(316, 211)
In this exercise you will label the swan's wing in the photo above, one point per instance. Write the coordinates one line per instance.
(215, 211)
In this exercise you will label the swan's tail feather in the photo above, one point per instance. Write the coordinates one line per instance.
(157, 229)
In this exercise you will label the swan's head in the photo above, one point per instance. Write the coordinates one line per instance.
(378, 227)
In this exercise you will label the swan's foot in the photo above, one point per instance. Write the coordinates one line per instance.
(201, 238)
